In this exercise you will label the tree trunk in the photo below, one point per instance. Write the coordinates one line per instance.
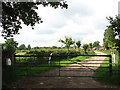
(12, 57)
(68, 50)
(119, 48)
(119, 57)
(79, 51)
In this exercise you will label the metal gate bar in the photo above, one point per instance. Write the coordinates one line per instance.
(59, 67)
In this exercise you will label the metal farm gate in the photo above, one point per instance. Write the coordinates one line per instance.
(54, 66)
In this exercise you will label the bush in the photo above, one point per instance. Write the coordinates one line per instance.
(55, 52)
(44, 54)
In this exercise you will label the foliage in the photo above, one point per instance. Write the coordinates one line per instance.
(8, 51)
(74, 46)
(36, 47)
(14, 13)
(29, 47)
(112, 46)
(96, 44)
(91, 45)
(115, 25)
(53, 47)
(68, 41)
(78, 43)
(10, 45)
(109, 37)
(46, 52)
(85, 46)
(22, 47)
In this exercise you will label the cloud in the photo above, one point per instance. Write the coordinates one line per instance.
(78, 7)
(45, 31)
(101, 24)
(52, 17)
(84, 20)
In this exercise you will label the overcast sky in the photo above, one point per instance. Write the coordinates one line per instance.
(84, 20)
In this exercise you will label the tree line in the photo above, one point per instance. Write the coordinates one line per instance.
(69, 41)
(11, 45)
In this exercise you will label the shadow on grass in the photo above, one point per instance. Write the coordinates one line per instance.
(108, 79)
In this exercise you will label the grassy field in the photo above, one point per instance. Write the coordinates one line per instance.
(25, 67)
(21, 53)
(107, 79)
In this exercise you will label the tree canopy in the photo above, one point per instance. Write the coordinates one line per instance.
(109, 37)
(115, 25)
(91, 45)
(78, 43)
(85, 46)
(10, 45)
(28, 47)
(96, 44)
(68, 41)
(21, 47)
(14, 13)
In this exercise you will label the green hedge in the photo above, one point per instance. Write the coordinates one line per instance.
(46, 52)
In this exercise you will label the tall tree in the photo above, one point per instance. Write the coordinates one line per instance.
(9, 49)
(22, 47)
(29, 47)
(14, 13)
(85, 46)
(10, 45)
(75, 46)
(68, 41)
(78, 43)
(109, 37)
(96, 44)
(115, 25)
(91, 45)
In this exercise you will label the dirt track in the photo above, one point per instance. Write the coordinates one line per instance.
(64, 82)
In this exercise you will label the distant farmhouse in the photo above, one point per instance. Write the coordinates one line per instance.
(100, 48)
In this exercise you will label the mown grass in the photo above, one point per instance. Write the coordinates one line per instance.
(108, 79)
(21, 53)
(106, 52)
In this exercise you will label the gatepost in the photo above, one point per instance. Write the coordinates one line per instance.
(110, 65)
(0, 67)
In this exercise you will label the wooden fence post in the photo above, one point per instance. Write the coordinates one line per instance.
(110, 65)
(14, 59)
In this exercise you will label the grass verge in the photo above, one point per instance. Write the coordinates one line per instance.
(107, 79)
